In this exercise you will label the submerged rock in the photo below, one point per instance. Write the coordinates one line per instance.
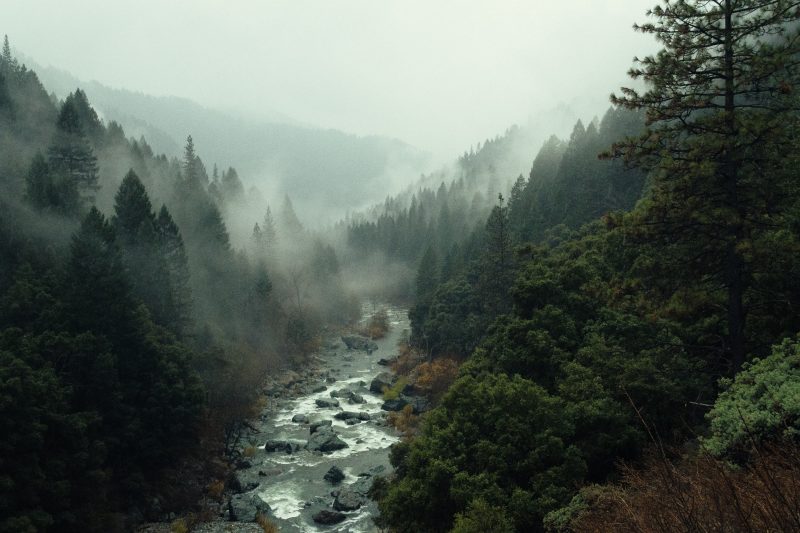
(327, 518)
(334, 475)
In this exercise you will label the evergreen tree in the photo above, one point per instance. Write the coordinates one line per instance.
(70, 155)
(497, 262)
(268, 231)
(720, 113)
(174, 253)
(289, 221)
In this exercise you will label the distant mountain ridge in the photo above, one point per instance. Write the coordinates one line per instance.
(326, 172)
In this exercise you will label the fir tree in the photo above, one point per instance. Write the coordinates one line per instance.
(720, 114)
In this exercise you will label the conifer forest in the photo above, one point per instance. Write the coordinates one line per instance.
(400, 267)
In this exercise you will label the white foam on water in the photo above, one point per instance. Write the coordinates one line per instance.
(284, 499)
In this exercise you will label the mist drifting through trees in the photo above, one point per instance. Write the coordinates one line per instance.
(227, 315)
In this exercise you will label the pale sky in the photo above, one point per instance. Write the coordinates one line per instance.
(440, 75)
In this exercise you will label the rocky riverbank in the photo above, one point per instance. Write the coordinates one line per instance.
(309, 459)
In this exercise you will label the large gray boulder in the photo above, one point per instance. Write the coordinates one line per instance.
(325, 403)
(334, 475)
(384, 379)
(281, 446)
(320, 424)
(357, 342)
(394, 405)
(300, 419)
(328, 518)
(347, 500)
(325, 440)
(246, 507)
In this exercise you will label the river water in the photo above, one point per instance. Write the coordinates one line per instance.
(292, 483)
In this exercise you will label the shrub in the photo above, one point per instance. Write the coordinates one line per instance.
(393, 392)
(762, 402)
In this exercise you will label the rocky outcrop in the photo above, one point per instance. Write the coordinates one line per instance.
(246, 507)
(384, 379)
(357, 342)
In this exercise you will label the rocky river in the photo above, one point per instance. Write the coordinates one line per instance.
(310, 458)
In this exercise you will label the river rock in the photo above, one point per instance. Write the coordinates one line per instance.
(387, 362)
(316, 425)
(357, 342)
(384, 379)
(334, 475)
(319, 388)
(327, 518)
(394, 405)
(344, 415)
(280, 446)
(300, 419)
(246, 507)
(327, 404)
(355, 398)
(325, 440)
(241, 481)
(347, 500)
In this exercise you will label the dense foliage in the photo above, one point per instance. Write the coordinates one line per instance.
(133, 335)
(589, 344)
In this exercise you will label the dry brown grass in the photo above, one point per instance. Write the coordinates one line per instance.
(435, 377)
(701, 494)
(405, 421)
(377, 326)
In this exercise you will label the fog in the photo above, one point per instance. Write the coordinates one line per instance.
(440, 76)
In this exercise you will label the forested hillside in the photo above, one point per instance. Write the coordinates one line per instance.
(134, 336)
(625, 319)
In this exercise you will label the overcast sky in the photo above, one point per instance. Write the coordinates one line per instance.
(438, 74)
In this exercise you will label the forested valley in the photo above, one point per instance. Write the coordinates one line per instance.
(606, 342)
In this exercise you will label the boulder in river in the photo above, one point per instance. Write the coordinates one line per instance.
(328, 518)
(334, 475)
(316, 425)
(326, 403)
(319, 388)
(325, 440)
(280, 446)
(384, 379)
(344, 415)
(387, 362)
(300, 419)
(355, 398)
(357, 342)
(347, 500)
(246, 507)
